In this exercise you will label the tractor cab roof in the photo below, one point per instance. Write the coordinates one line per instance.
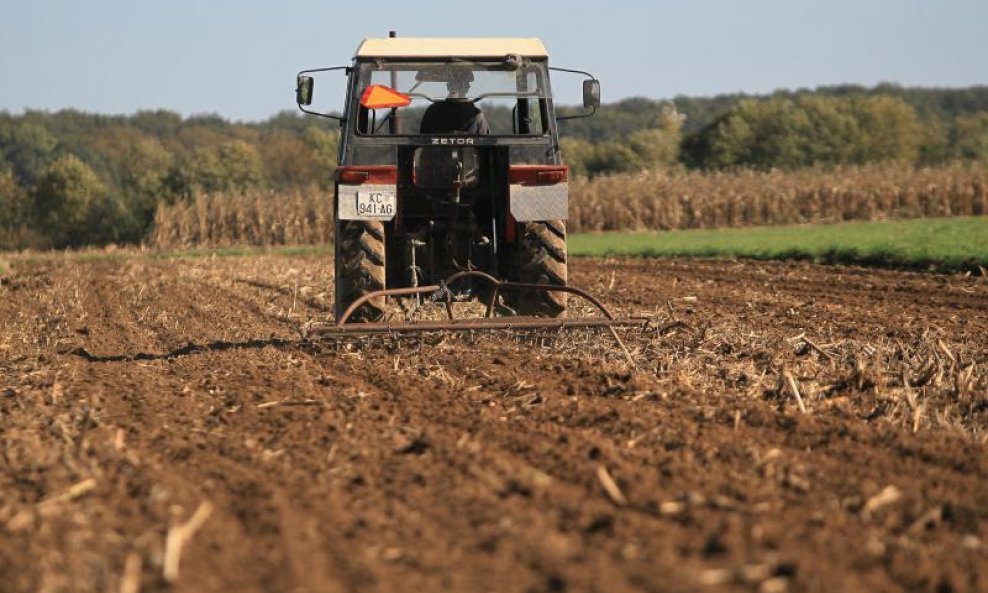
(445, 47)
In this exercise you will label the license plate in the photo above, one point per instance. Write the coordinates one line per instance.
(376, 204)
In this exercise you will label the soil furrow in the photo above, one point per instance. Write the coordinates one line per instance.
(133, 391)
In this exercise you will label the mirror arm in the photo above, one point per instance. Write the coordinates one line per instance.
(581, 115)
(347, 68)
(578, 116)
(338, 118)
(587, 74)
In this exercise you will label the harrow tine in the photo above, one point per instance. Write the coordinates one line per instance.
(476, 324)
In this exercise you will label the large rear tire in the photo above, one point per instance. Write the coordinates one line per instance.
(360, 268)
(540, 258)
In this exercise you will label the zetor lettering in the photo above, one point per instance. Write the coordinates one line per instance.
(453, 141)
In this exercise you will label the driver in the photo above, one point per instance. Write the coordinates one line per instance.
(456, 114)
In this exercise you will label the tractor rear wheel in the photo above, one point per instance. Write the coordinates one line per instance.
(360, 261)
(540, 258)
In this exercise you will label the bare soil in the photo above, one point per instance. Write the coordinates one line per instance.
(135, 392)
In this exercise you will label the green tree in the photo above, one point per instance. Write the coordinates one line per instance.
(970, 136)
(160, 123)
(66, 197)
(241, 166)
(764, 134)
(27, 148)
(324, 144)
(289, 162)
(936, 145)
(146, 170)
(15, 210)
(578, 154)
(144, 177)
(808, 130)
(658, 146)
(231, 167)
(889, 129)
(614, 157)
(831, 134)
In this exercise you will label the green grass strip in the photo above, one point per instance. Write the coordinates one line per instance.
(284, 251)
(942, 244)
(939, 244)
(99, 255)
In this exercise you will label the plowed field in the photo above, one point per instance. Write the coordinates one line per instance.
(160, 410)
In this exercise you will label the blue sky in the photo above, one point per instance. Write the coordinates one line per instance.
(239, 58)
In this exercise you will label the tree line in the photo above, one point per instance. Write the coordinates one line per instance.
(71, 178)
(840, 125)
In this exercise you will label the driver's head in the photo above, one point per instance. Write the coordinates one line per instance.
(458, 89)
(458, 84)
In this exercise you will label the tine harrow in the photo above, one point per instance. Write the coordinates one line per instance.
(489, 322)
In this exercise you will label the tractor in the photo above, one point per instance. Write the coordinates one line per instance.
(450, 183)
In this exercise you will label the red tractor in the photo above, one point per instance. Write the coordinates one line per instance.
(450, 177)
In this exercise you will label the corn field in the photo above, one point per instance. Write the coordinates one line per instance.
(651, 200)
(659, 200)
(302, 217)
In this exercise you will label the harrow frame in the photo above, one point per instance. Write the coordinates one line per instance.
(441, 293)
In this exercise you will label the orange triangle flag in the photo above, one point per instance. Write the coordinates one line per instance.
(377, 96)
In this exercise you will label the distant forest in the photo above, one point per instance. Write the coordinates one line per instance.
(71, 178)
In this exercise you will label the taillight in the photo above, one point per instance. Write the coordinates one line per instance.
(351, 176)
(550, 177)
(538, 174)
(380, 174)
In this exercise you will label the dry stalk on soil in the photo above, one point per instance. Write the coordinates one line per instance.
(888, 495)
(180, 535)
(130, 581)
(610, 486)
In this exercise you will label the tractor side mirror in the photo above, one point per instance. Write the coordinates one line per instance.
(591, 94)
(303, 90)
